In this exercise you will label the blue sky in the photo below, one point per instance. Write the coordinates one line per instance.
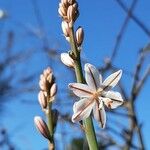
(101, 21)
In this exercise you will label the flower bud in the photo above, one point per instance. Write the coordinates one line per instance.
(47, 71)
(71, 2)
(42, 127)
(42, 100)
(62, 11)
(67, 60)
(79, 36)
(64, 2)
(50, 78)
(75, 5)
(46, 79)
(53, 90)
(42, 85)
(71, 15)
(65, 28)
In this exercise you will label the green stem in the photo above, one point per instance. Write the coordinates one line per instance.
(50, 126)
(88, 124)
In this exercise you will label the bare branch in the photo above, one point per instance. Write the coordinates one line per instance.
(134, 18)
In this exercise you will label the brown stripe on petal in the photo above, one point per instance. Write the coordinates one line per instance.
(43, 129)
(116, 100)
(93, 78)
(71, 86)
(99, 113)
(111, 82)
(85, 106)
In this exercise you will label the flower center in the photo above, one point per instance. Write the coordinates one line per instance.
(96, 95)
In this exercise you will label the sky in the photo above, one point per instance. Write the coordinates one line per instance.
(101, 21)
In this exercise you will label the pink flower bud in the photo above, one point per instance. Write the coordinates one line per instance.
(79, 36)
(42, 127)
(64, 1)
(47, 71)
(65, 28)
(42, 85)
(75, 5)
(42, 100)
(62, 11)
(71, 2)
(53, 90)
(50, 78)
(71, 15)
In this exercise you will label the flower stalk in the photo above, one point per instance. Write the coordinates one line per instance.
(48, 90)
(88, 123)
(76, 57)
(50, 127)
(68, 10)
(95, 93)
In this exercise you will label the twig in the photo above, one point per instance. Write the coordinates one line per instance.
(134, 94)
(134, 18)
(143, 80)
(122, 30)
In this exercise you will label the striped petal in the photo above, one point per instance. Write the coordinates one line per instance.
(99, 115)
(112, 80)
(81, 90)
(82, 109)
(113, 99)
(92, 76)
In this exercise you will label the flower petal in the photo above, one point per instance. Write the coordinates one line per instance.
(112, 80)
(113, 99)
(81, 90)
(99, 115)
(82, 109)
(92, 76)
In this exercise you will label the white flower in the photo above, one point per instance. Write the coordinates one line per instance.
(95, 94)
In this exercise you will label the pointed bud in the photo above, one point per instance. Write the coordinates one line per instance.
(62, 11)
(75, 5)
(79, 36)
(71, 2)
(42, 100)
(42, 85)
(67, 60)
(47, 71)
(64, 2)
(46, 79)
(53, 90)
(71, 15)
(50, 78)
(65, 28)
(41, 76)
(42, 127)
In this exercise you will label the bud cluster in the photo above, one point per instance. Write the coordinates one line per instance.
(68, 10)
(48, 88)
